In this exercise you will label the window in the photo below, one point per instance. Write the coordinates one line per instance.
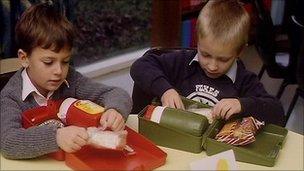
(110, 27)
(105, 28)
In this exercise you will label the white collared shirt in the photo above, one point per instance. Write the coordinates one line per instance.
(231, 73)
(28, 88)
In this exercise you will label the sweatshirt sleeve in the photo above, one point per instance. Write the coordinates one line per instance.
(255, 101)
(107, 96)
(20, 143)
(155, 73)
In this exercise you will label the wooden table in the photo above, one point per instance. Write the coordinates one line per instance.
(290, 157)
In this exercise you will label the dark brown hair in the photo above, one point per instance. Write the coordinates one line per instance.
(41, 25)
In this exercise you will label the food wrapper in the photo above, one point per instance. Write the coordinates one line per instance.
(207, 112)
(100, 138)
(239, 132)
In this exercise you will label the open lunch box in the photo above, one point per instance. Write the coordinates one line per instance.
(145, 154)
(264, 151)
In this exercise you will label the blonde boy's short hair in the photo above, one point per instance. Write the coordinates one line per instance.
(224, 21)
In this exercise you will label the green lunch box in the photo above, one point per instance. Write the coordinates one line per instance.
(264, 151)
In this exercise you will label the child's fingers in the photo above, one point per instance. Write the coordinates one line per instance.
(169, 103)
(228, 114)
(103, 124)
(216, 111)
(116, 123)
(120, 127)
(110, 121)
(224, 110)
(220, 109)
(231, 112)
(179, 104)
(172, 104)
(83, 134)
(80, 141)
(221, 113)
(106, 120)
(165, 104)
(226, 107)
(75, 147)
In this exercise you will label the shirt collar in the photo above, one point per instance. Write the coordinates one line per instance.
(231, 73)
(28, 87)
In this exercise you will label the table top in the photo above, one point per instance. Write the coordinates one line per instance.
(290, 157)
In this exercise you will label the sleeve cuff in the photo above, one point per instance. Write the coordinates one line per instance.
(246, 106)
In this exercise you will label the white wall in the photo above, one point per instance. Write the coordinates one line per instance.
(114, 71)
(119, 78)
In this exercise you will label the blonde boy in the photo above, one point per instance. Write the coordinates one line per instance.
(213, 74)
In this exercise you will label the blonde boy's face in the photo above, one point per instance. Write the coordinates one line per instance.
(214, 58)
(46, 69)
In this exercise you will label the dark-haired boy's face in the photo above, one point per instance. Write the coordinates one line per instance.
(214, 58)
(47, 69)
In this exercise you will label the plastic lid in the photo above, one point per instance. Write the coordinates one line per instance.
(64, 107)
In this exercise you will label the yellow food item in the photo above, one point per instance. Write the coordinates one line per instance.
(222, 164)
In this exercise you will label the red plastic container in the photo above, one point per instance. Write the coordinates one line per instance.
(83, 113)
(39, 115)
(36, 116)
(147, 156)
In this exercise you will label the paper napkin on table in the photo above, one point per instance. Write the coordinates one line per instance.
(221, 161)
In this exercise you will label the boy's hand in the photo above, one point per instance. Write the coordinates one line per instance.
(171, 98)
(71, 138)
(225, 108)
(113, 120)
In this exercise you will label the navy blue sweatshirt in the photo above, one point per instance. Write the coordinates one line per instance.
(155, 73)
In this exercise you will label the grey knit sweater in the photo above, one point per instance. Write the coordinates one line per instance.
(20, 143)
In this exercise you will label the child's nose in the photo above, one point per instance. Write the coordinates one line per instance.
(213, 65)
(58, 69)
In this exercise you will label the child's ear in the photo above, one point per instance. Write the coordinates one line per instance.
(23, 58)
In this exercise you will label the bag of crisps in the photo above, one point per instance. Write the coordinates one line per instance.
(239, 132)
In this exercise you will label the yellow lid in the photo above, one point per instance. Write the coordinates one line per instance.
(89, 107)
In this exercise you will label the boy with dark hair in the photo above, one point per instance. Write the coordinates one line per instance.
(45, 41)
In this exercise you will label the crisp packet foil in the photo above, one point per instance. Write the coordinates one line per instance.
(239, 132)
